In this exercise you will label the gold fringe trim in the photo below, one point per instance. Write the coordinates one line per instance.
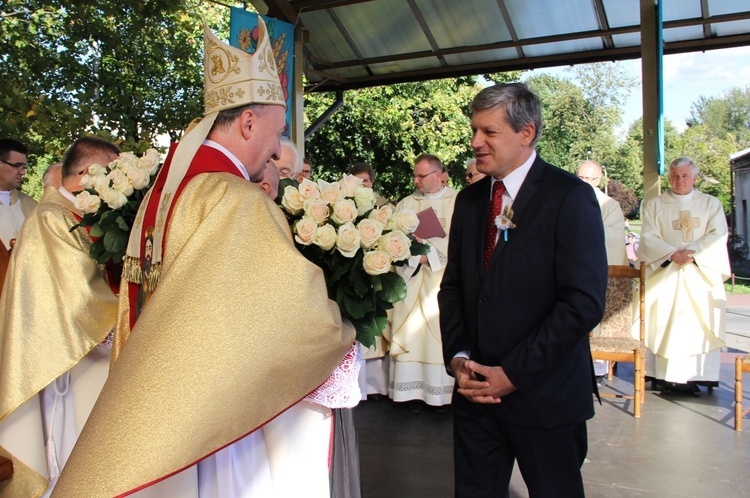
(133, 273)
(131, 270)
(152, 279)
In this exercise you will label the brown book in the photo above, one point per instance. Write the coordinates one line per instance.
(429, 225)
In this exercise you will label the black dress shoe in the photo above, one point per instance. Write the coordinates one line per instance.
(692, 389)
(414, 406)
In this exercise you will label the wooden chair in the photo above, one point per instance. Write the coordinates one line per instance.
(615, 342)
(741, 365)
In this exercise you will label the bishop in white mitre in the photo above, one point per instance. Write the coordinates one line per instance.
(683, 245)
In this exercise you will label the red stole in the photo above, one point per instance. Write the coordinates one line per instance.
(206, 160)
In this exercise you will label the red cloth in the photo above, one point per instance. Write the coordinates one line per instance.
(496, 207)
(206, 160)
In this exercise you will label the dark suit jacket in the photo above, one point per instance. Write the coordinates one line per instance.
(532, 310)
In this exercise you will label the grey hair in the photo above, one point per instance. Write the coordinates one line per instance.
(285, 142)
(522, 106)
(470, 162)
(684, 161)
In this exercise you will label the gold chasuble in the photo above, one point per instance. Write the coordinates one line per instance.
(55, 307)
(220, 347)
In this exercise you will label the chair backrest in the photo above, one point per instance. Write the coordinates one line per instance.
(623, 283)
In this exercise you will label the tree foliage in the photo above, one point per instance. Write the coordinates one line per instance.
(580, 118)
(127, 70)
(390, 126)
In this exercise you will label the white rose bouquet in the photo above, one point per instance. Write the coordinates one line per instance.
(337, 227)
(110, 201)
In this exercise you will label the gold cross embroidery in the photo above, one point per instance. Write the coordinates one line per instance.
(685, 223)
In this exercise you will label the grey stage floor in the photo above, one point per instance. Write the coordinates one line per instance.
(682, 446)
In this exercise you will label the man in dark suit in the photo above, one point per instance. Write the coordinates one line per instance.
(515, 324)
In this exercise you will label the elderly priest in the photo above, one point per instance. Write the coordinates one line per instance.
(684, 247)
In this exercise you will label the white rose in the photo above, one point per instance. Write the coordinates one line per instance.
(87, 181)
(120, 182)
(291, 200)
(344, 211)
(101, 184)
(325, 237)
(124, 162)
(405, 220)
(349, 184)
(347, 241)
(370, 231)
(376, 262)
(397, 244)
(382, 214)
(113, 198)
(316, 209)
(365, 199)
(304, 230)
(87, 202)
(149, 162)
(139, 178)
(329, 192)
(97, 169)
(308, 190)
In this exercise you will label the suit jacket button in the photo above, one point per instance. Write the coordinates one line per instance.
(483, 300)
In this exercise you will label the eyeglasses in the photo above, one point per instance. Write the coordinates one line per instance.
(471, 175)
(15, 165)
(422, 177)
(306, 172)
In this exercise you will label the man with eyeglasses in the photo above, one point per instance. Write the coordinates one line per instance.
(14, 204)
(306, 172)
(288, 163)
(472, 175)
(417, 374)
(612, 218)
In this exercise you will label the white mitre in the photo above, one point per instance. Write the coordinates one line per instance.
(231, 78)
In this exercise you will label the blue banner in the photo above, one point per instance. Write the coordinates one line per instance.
(243, 34)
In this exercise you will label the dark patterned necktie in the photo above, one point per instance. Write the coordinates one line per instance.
(496, 207)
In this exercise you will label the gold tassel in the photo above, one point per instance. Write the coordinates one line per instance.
(152, 279)
(131, 270)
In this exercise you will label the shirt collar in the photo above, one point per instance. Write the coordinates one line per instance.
(232, 157)
(515, 178)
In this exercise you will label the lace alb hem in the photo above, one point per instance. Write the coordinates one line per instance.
(341, 389)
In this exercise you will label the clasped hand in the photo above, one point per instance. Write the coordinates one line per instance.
(490, 390)
(683, 257)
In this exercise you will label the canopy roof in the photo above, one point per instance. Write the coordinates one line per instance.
(360, 43)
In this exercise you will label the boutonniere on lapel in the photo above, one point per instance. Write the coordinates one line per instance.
(504, 222)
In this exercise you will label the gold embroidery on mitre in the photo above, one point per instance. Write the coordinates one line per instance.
(221, 62)
(234, 78)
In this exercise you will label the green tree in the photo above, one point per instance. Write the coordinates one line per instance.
(726, 117)
(388, 127)
(128, 70)
(580, 118)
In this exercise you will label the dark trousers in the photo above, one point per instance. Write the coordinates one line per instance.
(486, 446)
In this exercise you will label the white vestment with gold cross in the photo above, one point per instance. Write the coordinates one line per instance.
(685, 305)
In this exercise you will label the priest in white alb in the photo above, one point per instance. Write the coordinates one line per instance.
(416, 368)
(683, 244)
